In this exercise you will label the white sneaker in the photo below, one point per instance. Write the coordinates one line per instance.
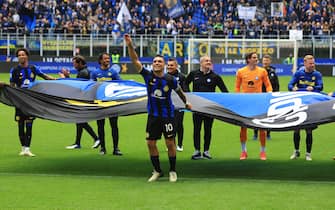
(22, 151)
(155, 176)
(28, 153)
(196, 155)
(96, 144)
(308, 157)
(73, 146)
(295, 155)
(180, 149)
(207, 155)
(172, 176)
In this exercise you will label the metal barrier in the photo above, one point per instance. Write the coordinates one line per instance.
(90, 45)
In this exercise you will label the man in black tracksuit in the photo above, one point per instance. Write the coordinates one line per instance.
(204, 80)
(172, 69)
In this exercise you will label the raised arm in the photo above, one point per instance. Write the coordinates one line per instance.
(132, 53)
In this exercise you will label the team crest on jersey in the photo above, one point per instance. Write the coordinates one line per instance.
(256, 78)
(26, 82)
(109, 74)
(208, 80)
(158, 93)
(313, 77)
(251, 83)
(166, 88)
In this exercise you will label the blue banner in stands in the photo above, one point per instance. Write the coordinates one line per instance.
(175, 8)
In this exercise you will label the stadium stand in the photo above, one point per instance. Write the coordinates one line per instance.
(204, 17)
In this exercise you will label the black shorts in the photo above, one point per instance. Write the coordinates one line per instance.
(19, 115)
(158, 125)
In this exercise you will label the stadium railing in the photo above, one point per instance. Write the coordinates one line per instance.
(90, 45)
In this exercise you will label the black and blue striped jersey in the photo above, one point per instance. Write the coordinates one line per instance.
(23, 76)
(159, 93)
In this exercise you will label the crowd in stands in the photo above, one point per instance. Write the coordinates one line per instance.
(201, 17)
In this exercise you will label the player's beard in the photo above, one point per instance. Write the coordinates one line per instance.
(106, 65)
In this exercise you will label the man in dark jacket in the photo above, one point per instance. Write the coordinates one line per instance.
(204, 80)
(79, 63)
(172, 69)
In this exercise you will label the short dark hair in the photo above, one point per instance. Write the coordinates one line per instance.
(158, 55)
(22, 49)
(79, 59)
(173, 59)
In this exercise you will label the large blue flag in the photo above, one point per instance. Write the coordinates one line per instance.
(199, 17)
(28, 17)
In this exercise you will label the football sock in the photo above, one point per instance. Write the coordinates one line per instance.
(172, 161)
(155, 163)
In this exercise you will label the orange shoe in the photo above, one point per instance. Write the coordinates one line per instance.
(243, 155)
(262, 155)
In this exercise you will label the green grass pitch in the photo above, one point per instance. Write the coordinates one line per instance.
(82, 179)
